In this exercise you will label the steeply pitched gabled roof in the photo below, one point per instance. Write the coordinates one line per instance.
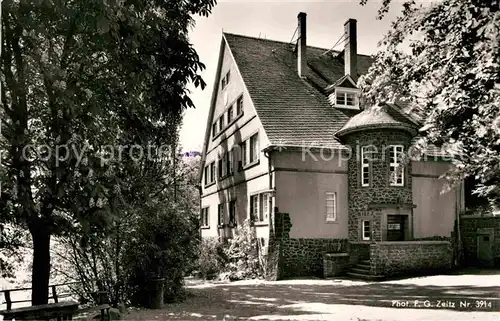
(293, 111)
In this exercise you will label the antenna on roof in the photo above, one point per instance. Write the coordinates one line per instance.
(338, 41)
(259, 34)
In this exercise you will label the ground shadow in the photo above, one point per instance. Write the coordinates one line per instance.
(277, 300)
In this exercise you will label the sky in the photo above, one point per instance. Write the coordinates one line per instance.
(275, 20)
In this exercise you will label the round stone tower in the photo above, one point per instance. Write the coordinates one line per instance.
(379, 175)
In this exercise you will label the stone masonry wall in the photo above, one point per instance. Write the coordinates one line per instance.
(358, 252)
(289, 257)
(410, 258)
(379, 191)
(304, 257)
(468, 229)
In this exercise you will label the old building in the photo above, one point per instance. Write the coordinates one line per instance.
(290, 146)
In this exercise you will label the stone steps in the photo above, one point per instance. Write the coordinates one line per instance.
(358, 270)
(362, 271)
(363, 266)
(366, 276)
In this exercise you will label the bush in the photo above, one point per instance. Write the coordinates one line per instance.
(236, 259)
(211, 258)
(163, 246)
(242, 252)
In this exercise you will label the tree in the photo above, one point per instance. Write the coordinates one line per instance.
(154, 235)
(84, 83)
(450, 78)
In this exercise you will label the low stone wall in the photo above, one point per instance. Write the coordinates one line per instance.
(410, 258)
(335, 264)
(304, 257)
(471, 227)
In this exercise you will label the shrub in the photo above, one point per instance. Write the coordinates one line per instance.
(236, 259)
(211, 258)
(242, 253)
(163, 246)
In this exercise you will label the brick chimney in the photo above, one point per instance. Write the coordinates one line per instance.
(302, 45)
(351, 49)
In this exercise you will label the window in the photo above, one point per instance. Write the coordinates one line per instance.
(206, 174)
(259, 207)
(220, 168)
(367, 154)
(239, 106)
(396, 169)
(205, 218)
(221, 123)
(243, 153)
(331, 204)
(254, 148)
(232, 212)
(345, 98)
(225, 80)
(254, 207)
(214, 129)
(220, 220)
(230, 162)
(212, 172)
(366, 230)
(264, 211)
(209, 173)
(229, 115)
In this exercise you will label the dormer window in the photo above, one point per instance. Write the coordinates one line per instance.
(346, 98)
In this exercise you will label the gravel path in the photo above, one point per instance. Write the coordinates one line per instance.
(442, 297)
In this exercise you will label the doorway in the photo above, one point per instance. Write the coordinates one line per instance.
(397, 226)
(485, 246)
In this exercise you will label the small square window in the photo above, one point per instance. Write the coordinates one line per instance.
(344, 98)
(225, 80)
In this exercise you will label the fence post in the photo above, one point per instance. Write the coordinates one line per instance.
(8, 300)
(54, 294)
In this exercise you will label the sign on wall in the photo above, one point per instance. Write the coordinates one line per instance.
(395, 226)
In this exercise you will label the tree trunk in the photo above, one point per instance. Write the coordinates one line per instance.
(41, 265)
